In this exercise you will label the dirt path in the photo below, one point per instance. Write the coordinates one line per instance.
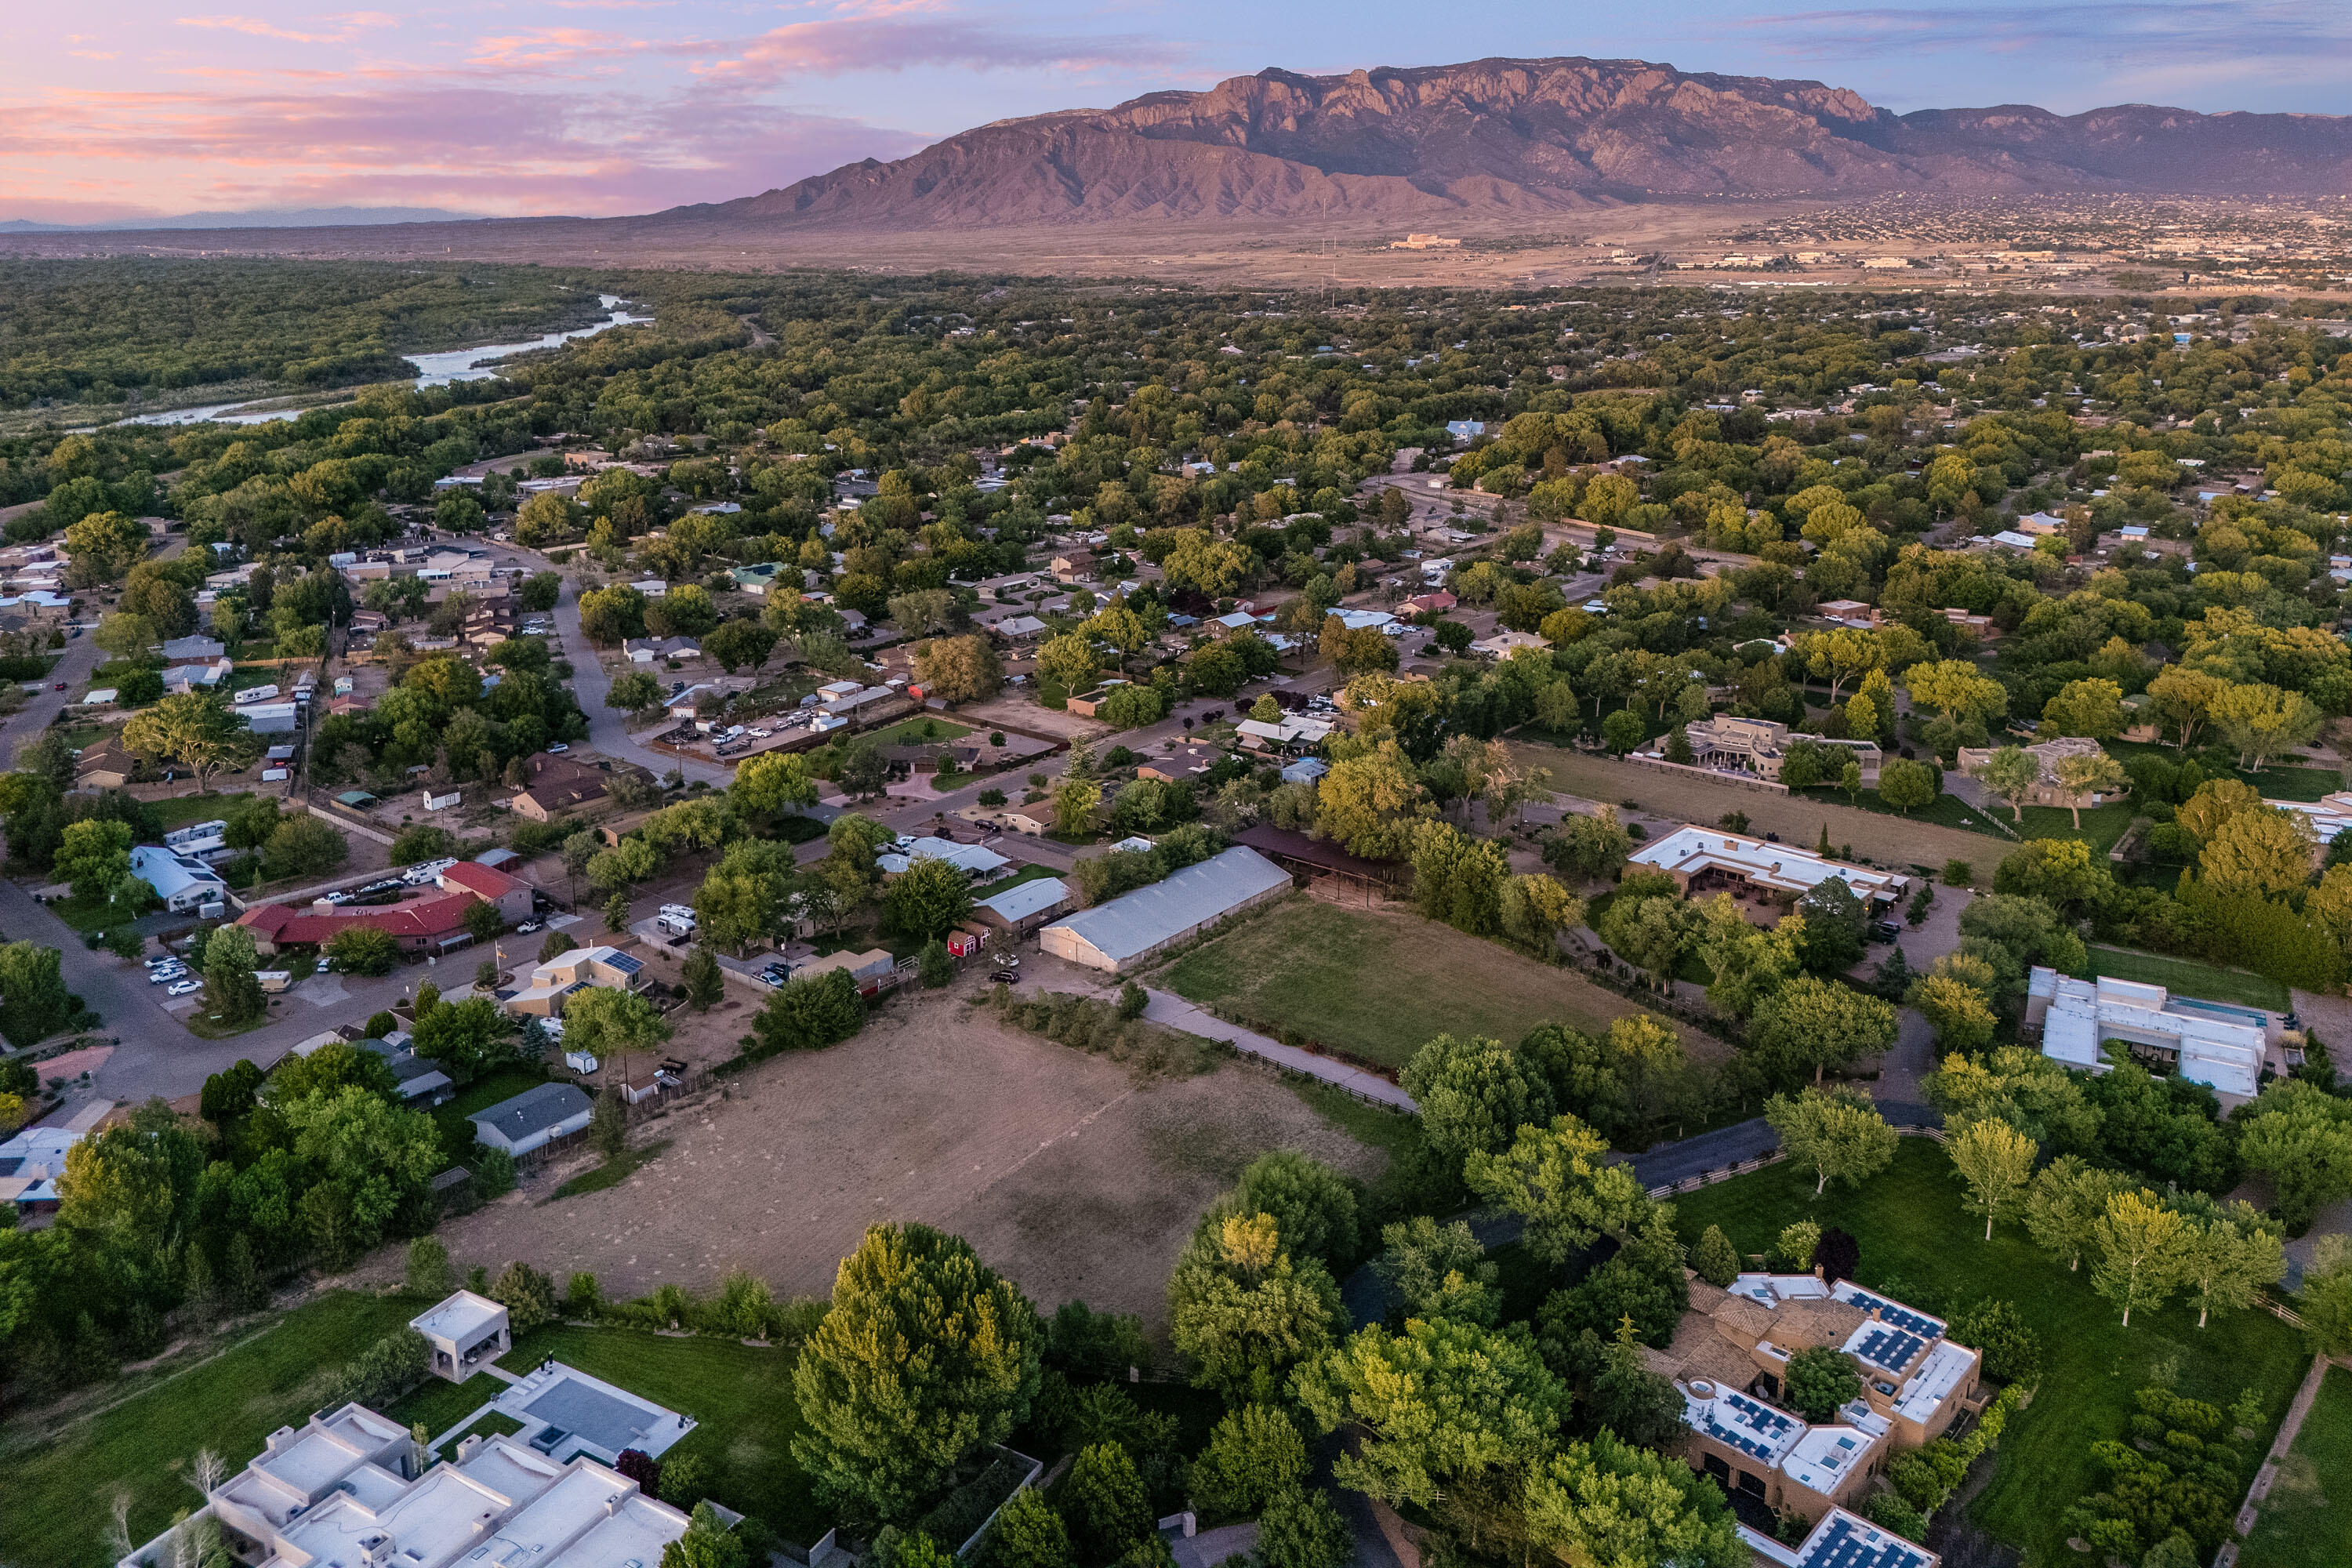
(1688, 799)
(1062, 1169)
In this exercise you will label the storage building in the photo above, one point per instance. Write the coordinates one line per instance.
(1129, 928)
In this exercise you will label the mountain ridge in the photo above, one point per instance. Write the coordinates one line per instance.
(1508, 136)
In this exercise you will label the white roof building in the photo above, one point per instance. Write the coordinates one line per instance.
(184, 882)
(351, 1487)
(1026, 899)
(970, 857)
(2328, 815)
(1502, 645)
(2215, 1043)
(1695, 857)
(30, 1165)
(1136, 925)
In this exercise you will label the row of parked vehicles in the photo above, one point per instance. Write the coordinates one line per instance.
(174, 975)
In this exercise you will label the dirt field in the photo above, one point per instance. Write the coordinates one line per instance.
(1685, 799)
(1378, 984)
(1063, 1170)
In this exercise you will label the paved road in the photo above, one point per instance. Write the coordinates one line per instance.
(80, 658)
(606, 729)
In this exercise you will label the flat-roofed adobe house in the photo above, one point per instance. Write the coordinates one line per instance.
(1731, 745)
(572, 971)
(2215, 1042)
(1730, 1356)
(1711, 859)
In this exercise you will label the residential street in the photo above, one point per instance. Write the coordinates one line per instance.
(74, 667)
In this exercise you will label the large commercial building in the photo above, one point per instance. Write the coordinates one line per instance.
(1703, 860)
(2215, 1043)
(1135, 926)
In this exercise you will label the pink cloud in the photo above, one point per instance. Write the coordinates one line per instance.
(353, 23)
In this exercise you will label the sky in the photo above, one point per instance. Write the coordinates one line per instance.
(117, 109)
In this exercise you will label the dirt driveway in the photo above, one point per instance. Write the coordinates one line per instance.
(1062, 1169)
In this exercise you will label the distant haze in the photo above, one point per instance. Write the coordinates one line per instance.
(254, 218)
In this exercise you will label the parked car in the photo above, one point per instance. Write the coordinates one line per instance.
(557, 748)
(527, 928)
(185, 988)
(1886, 930)
(1005, 977)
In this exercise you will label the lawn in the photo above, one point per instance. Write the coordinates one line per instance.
(918, 732)
(2307, 1521)
(58, 1493)
(742, 1397)
(1378, 984)
(456, 1131)
(180, 810)
(2287, 780)
(2102, 824)
(1918, 1245)
(2187, 977)
(440, 1404)
(1944, 811)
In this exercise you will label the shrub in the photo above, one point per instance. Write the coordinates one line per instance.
(428, 1267)
(1254, 1452)
(1889, 1512)
(1957, 873)
(379, 1025)
(528, 1295)
(809, 1014)
(2013, 1352)
(1029, 1534)
(1717, 1260)
(384, 1371)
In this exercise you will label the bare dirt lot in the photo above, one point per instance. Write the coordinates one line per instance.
(1065, 1172)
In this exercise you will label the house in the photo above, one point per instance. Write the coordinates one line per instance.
(193, 650)
(1306, 770)
(1465, 430)
(268, 717)
(2328, 815)
(1074, 566)
(1435, 604)
(970, 859)
(1712, 859)
(1980, 627)
(1849, 613)
(572, 971)
(186, 885)
(1133, 927)
(511, 895)
(558, 784)
(755, 580)
(533, 1118)
(2215, 1042)
(419, 1078)
(1292, 734)
(2047, 790)
(183, 678)
(431, 922)
(869, 968)
(1020, 628)
(1182, 765)
(30, 1163)
(645, 650)
(462, 1331)
(104, 764)
(1730, 1353)
(1758, 746)
(652, 587)
(1025, 905)
(1503, 645)
(2039, 523)
(350, 1485)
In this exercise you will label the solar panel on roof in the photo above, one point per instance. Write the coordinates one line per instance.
(625, 963)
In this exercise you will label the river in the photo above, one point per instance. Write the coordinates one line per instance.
(434, 370)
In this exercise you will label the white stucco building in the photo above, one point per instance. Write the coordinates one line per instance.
(2215, 1043)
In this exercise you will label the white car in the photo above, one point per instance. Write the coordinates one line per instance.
(526, 928)
(557, 748)
(679, 913)
(185, 988)
(164, 976)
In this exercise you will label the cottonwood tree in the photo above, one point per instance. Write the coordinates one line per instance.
(927, 1356)
(1446, 1415)
(1556, 1178)
(2010, 773)
(2087, 774)
(1254, 1452)
(1835, 1133)
(2229, 1256)
(1475, 1095)
(604, 1020)
(2065, 1204)
(1438, 1270)
(1609, 1502)
(1245, 1312)
(196, 730)
(1996, 1160)
(2142, 1246)
(1809, 1022)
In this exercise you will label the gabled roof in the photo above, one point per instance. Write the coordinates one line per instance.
(534, 1110)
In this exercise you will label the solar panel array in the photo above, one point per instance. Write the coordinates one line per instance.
(1759, 1430)
(625, 963)
(1890, 1348)
(1900, 1316)
(1846, 1543)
